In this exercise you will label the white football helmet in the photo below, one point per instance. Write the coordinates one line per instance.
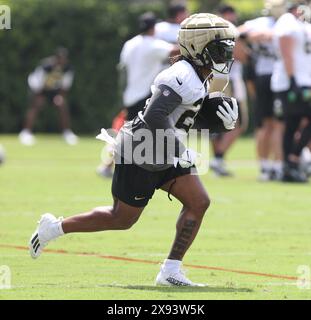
(208, 40)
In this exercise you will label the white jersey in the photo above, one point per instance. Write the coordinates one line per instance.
(167, 31)
(264, 51)
(289, 25)
(183, 79)
(143, 57)
(308, 45)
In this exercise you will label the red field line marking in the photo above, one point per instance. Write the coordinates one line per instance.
(260, 274)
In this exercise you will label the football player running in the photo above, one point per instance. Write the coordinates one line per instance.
(206, 44)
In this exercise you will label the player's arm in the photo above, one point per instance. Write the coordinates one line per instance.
(36, 79)
(254, 36)
(287, 44)
(162, 103)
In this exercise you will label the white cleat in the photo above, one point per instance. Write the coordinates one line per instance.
(70, 137)
(175, 279)
(264, 176)
(27, 138)
(45, 232)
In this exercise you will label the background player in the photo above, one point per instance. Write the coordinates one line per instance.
(50, 81)
(269, 130)
(290, 81)
(168, 30)
(141, 60)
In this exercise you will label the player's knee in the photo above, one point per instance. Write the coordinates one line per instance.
(201, 204)
(124, 224)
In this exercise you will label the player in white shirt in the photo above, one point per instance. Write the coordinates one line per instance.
(168, 30)
(142, 58)
(269, 130)
(206, 44)
(291, 83)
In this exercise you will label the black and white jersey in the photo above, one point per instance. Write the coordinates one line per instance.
(289, 25)
(264, 51)
(177, 96)
(49, 76)
(183, 79)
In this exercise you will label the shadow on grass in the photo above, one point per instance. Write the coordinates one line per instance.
(179, 289)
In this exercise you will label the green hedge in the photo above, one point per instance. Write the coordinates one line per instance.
(92, 30)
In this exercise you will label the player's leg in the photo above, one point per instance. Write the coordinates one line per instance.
(266, 135)
(118, 217)
(276, 150)
(37, 102)
(263, 138)
(36, 105)
(132, 187)
(304, 140)
(61, 104)
(190, 192)
(291, 161)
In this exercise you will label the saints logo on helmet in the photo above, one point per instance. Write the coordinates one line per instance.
(208, 41)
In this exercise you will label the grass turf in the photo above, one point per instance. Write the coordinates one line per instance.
(250, 226)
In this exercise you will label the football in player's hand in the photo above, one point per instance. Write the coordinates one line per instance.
(207, 117)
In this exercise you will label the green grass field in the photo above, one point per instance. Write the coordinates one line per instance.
(262, 231)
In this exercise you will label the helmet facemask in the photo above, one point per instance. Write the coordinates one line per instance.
(218, 54)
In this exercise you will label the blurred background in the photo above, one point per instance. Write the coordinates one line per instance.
(94, 32)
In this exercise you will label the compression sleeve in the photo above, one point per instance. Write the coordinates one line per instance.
(156, 115)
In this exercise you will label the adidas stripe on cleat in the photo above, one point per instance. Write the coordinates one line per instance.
(48, 229)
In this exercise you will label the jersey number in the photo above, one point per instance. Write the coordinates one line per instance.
(186, 120)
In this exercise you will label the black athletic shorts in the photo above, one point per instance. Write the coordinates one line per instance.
(48, 94)
(263, 107)
(284, 109)
(133, 110)
(135, 186)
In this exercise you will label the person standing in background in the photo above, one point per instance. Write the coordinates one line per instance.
(50, 81)
(291, 83)
(168, 30)
(221, 143)
(269, 130)
(141, 59)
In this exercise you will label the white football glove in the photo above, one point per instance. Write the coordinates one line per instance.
(187, 159)
(229, 116)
